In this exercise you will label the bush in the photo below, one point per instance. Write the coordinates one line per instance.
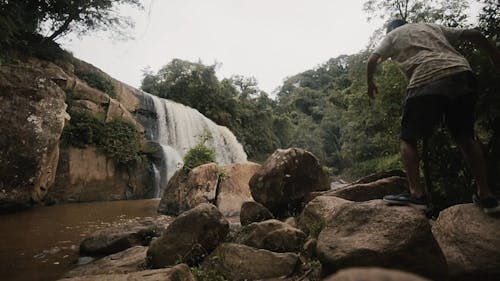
(199, 155)
(118, 139)
(96, 80)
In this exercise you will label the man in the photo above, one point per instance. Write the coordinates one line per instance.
(441, 83)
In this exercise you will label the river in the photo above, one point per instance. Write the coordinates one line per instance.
(41, 244)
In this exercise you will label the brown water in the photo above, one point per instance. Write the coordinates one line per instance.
(42, 244)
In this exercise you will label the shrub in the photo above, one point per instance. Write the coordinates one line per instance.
(118, 139)
(96, 80)
(199, 154)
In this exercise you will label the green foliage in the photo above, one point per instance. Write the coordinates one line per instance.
(96, 80)
(236, 102)
(199, 154)
(449, 12)
(22, 23)
(203, 274)
(118, 139)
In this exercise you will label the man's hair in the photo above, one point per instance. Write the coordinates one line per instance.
(395, 24)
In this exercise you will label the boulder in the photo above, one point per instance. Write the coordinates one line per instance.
(372, 190)
(82, 91)
(130, 260)
(470, 241)
(118, 238)
(32, 116)
(285, 179)
(190, 237)
(86, 175)
(179, 272)
(373, 274)
(233, 188)
(380, 175)
(126, 95)
(374, 234)
(88, 106)
(240, 262)
(117, 111)
(185, 192)
(57, 74)
(272, 235)
(252, 211)
(317, 212)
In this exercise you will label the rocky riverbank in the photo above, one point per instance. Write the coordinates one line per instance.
(343, 234)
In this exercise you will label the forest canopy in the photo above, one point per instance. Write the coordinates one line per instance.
(326, 111)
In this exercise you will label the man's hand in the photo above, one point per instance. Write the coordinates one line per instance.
(372, 90)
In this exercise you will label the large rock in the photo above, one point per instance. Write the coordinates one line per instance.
(317, 212)
(118, 111)
(252, 211)
(240, 262)
(32, 116)
(374, 274)
(85, 175)
(130, 260)
(372, 190)
(190, 237)
(118, 238)
(470, 241)
(184, 192)
(373, 234)
(179, 272)
(272, 235)
(285, 179)
(233, 188)
(380, 175)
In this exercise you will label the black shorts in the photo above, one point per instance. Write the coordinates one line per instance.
(423, 112)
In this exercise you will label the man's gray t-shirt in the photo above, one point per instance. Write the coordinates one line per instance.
(423, 52)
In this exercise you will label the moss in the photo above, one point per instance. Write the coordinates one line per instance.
(118, 139)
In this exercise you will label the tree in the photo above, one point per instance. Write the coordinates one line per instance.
(23, 19)
(448, 12)
(82, 16)
(235, 102)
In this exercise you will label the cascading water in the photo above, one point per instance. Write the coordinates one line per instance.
(178, 128)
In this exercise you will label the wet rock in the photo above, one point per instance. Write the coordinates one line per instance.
(374, 234)
(374, 274)
(285, 179)
(240, 262)
(130, 260)
(32, 116)
(190, 237)
(252, 211)
(470, 241)
(118, 238)
(372, 190)
(179, 272)
(272, 235)
(317, 212)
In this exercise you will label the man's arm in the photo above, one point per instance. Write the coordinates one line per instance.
(477, 38)
(370, 71)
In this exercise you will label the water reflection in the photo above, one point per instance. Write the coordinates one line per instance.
(42, 243)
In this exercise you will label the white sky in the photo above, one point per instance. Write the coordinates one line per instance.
(267, 39)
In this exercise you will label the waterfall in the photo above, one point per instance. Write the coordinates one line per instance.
(177, 128)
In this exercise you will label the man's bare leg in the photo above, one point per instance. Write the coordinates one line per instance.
(409, 154)
(473, 154)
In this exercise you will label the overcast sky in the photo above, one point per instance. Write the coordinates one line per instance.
(267, 39)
